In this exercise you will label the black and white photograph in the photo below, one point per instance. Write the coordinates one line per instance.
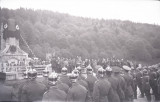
(79, 51)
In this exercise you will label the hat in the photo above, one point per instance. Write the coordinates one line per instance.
(78, 68)
(145, 71)
(73, 76)
(101, 70)
(116, 69)
(64, 69)
(53, 77)
(126, 68)
(75, 71)
(2, 76)
(32, 73)
(45, 73)
(108, 68)
(89, 68)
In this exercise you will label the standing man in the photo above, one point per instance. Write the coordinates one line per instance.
(6, 92)
(77, 93)
(54, 94)
(153, 82)
(33, 90)
(146, 85)
(128, 79)
(114, 84)
(54, 65)
(139, 78)
(102, 91)
(45, 78)
(91, 79)
(64, 78)
(120, 82)
(22, 82)
(158, 84)
(134, 83)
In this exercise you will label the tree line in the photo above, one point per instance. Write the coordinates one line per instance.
(70, 36)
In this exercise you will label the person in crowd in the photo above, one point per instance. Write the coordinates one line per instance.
(64, 78)
(120, 81)
(134, 84)
(91, 79)
(158, 84)
(77, 93)
(139, 77)
(153, 82)
(21, 83)
(33, 90)
(80, 79)
(102, 91)
(114, 84)
(6, 92)
(128, 79)
(146, 85)
(45, 78)
(54, 93)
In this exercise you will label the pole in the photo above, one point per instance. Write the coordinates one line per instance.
(1, 36)
(27, 45)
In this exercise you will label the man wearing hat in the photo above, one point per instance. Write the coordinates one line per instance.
(114, 84)
(120, 81)
(134, 84)
(21, 83)
(158, 84)
(62, 86)
(91, 79)
(6, 92)
(54, 93)
(153, 82)
(102, 91)
(139, 78)
(63, 77)
(77, 92)
(128, 79)
(79, 79)
(146, 85)
(33, 90)
(45, 77)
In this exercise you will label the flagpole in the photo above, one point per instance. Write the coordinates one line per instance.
(1, 36)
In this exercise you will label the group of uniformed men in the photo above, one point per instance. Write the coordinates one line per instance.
(107, 84)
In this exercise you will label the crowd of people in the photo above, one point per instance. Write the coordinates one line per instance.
(85, 81)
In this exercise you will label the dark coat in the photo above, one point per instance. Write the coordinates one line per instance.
(121, 86)
(62, 86)
(65, 79)
(146, 84)
(90, 81)
(21, 83)
(139, 77)
(83, 83)
(116, 88)
(54, 94)
(102, 91)
(6, 93)
(33, 91)
(128, 91)
(77, 93)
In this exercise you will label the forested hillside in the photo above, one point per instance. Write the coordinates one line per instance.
(70, 36)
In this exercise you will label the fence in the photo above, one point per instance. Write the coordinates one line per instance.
(16, 72)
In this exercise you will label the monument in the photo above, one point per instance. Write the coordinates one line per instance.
(13, 60)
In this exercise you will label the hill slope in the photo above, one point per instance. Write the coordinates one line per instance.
(69, 36)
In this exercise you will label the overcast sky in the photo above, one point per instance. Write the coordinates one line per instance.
(144, 11)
